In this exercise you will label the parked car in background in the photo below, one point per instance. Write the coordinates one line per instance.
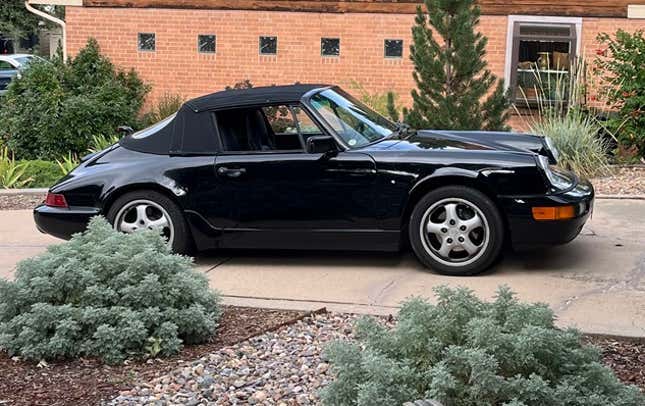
(10, 67)
(310, 167)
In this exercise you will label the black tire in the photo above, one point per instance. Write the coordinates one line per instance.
(182, 239)
(491, 220)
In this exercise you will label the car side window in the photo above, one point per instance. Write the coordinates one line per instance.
(306, 125)
(258, 129)
(280, 119)
(4, 65)
(265, 129)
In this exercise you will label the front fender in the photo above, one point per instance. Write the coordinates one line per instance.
(444, 174)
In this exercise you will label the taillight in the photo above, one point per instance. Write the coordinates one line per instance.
(55, 200)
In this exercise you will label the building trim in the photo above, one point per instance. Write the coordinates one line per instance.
(577, 8)
(636, 11)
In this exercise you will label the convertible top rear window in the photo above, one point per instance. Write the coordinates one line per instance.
(153, 129)
(153, 140)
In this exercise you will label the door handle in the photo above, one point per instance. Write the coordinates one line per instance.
(231, 172)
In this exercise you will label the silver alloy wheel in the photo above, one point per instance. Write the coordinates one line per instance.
(144, 215)
(454, 232)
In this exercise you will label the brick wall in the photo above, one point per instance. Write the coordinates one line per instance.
(177, 67)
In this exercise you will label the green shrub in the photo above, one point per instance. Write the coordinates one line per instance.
(624, 75)
(575, 135)
(100, 142)
(105, 294)
(55, 108)
(384, 103)
(67, 163)
(167, 105)
(562, 115)
(463, 351)
(42, 173)
(12, 173)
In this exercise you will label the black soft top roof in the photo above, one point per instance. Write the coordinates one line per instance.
(252, 96)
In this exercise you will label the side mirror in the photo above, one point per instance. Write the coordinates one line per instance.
(321, 144)
(125, 130)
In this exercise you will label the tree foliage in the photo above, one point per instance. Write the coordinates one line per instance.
(623, 68)
(54, 109)
(463, 352)
(455, 90)
(16, 20)
(105, 294)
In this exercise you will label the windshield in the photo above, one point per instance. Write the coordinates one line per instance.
(354, 122)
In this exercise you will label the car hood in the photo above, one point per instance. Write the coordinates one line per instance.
(473, 140)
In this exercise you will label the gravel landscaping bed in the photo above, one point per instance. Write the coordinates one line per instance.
(90, 382)
(20, 201)
(285, 367)
(282, 366)
(625, 180)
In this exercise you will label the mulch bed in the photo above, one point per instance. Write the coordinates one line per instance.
(626, 357)
(89, 381)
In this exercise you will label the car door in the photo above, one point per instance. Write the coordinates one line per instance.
(280, 195)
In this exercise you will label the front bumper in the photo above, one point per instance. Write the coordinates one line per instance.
(528, 232)
(61, 222)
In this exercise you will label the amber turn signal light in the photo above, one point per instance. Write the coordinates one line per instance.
(554, 213)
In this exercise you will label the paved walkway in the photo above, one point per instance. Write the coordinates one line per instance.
(596, 283)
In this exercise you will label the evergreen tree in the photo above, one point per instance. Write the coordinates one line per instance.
(453, 84)
(15, 21)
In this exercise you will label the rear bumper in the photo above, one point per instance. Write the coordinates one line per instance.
(62, 223)
(527, 232)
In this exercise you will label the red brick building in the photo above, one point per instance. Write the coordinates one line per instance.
(192, 47)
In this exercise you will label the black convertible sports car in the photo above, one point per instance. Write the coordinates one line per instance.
(310, 167)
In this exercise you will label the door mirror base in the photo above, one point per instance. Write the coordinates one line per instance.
(321, 144)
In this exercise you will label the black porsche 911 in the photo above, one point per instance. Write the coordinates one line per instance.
(310, 167)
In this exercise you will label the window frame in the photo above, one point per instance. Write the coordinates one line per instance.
(260, 45)
(154, 48)
(289, 105)
(512, 43)
(385, 55)
(322, 54)
(199, 48)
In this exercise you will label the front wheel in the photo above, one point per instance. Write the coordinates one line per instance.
(456, 230)
(150, 210)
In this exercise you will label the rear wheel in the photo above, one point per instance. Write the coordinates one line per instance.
(150, 210)
(456, 230)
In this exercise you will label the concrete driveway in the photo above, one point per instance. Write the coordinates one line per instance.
(596, 283)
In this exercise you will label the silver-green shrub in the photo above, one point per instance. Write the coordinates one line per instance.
(105, 294)
(463, 351)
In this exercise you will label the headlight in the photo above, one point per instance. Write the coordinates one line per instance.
(559, 179)
(551, 147)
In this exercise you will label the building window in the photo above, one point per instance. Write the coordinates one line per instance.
(147, 41)
(330, 46)
(206, 43)
(393, 48)
(268, 45)
(543, 54)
